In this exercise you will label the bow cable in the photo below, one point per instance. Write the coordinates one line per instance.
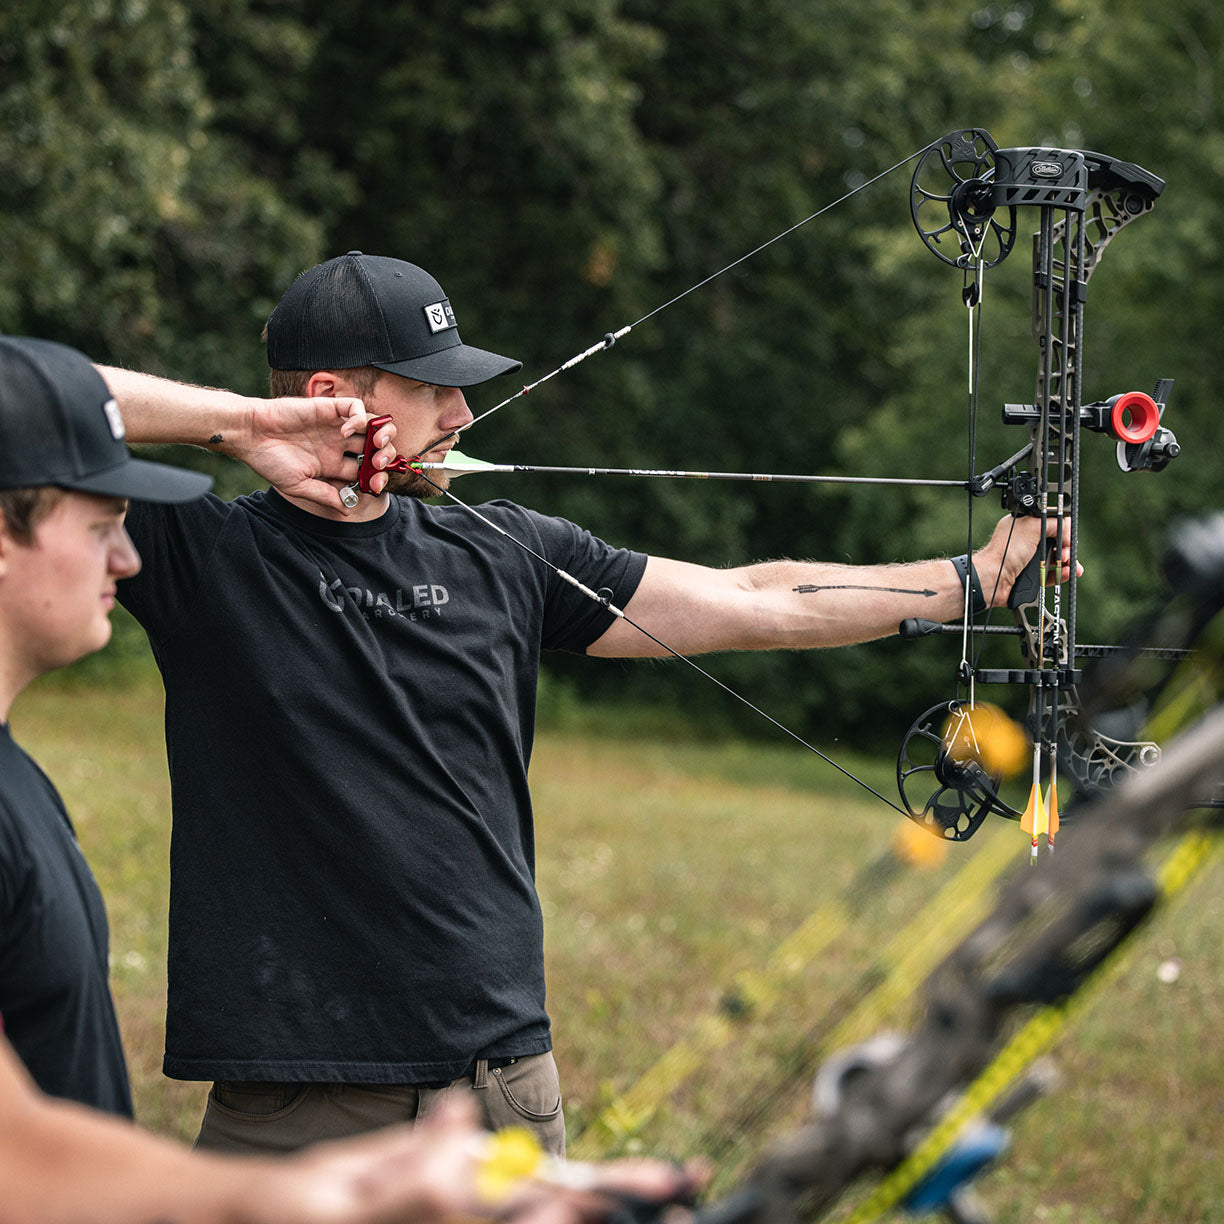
(604, 599)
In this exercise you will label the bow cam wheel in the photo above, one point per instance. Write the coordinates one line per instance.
(951, 194)
(948, 797)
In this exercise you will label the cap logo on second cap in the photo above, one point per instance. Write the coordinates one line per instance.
(439, 316)
(114, 419)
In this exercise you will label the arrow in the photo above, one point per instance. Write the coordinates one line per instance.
(456, 464)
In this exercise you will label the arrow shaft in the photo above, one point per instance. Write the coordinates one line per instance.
(673, 474)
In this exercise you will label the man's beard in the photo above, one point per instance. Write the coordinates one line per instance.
(414, 484)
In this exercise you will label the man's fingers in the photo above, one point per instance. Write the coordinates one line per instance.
(348, 406)
(1053, 525)
(355, 426)
(1060, 573)
(355, 423)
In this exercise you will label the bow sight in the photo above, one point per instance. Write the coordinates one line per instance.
(964, 198)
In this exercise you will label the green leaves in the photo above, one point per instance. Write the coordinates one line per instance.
(133, 227)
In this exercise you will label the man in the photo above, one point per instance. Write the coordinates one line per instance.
(350, 707)
(65, 477)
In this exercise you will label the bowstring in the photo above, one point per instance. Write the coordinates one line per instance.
(974, 303)
(974, 300)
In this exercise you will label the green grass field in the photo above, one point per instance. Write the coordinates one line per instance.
(676, 877)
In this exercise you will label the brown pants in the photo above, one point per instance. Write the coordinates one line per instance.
(277, 1117)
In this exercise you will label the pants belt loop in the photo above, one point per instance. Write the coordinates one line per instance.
(481, 1078)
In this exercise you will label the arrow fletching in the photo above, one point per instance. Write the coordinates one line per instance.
(458, 464)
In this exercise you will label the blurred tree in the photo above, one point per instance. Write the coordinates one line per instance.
(1135, 84)
(496, 144)
(133, 227)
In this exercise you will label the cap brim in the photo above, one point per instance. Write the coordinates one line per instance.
(460, 366)
(145, 481)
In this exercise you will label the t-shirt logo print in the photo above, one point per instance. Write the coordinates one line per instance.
(439, 316)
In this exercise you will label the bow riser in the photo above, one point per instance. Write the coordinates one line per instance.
(1074, 233)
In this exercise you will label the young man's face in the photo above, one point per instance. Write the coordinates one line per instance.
(423, 414)
(56, 594)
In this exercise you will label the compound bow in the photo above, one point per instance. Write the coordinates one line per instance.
(905, 1103)
(968, 189)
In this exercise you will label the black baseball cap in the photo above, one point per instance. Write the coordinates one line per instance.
(60, 425)
(370, 310)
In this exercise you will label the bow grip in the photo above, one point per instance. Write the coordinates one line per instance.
(1027, 587)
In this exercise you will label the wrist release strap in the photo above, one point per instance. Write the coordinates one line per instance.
(967, 572)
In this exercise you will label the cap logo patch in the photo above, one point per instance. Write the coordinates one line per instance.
(439, 316)
(114, 419)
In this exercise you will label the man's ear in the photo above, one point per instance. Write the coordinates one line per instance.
(323, 383)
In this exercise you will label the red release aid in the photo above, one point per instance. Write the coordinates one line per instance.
(1133, 417)
(398, 464)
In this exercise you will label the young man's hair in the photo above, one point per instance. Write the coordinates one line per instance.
(23, 509)
(293, 382)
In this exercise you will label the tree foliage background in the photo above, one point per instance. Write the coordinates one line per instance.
(565, 167)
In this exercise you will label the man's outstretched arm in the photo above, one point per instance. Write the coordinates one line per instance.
(799, 605)
(307, 448)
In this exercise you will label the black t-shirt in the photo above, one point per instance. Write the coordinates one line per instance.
(55, 1002)
(349, 720)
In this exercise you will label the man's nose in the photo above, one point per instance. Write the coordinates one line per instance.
(456, 413)
(124, 559)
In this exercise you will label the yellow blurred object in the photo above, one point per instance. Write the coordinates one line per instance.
(985, 734)
(512, 1155)
(917, 846)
